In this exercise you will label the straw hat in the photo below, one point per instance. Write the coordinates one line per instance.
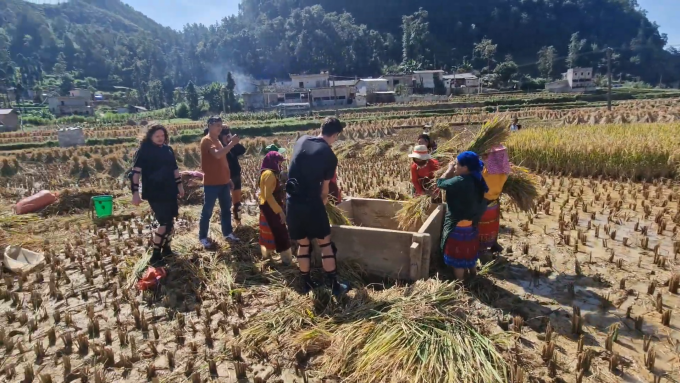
(420, 152)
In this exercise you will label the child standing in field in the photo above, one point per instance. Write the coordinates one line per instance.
(217, 183)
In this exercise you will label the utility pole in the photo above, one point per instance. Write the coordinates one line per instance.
(335, 99)
(609, 79)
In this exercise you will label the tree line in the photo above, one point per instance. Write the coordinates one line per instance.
(58, 47)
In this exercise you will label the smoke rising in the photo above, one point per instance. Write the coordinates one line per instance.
(245, 83)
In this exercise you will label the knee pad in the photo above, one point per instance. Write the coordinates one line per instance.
(304, 256)
(335, 251)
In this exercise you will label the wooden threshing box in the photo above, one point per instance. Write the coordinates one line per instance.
(380, 247)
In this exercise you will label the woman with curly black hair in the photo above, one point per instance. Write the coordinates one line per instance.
(161, 185)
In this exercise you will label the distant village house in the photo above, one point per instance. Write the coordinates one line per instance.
(574, 80)
(425, 79)
(9, 120)
(78, 102)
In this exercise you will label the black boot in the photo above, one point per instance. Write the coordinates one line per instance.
(156, 257)
(496, 248)
(306, 283)
(337, 288)
(237, 211)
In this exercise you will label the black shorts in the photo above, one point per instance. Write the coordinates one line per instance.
(164, 211)
(307, 220)
(237, 182)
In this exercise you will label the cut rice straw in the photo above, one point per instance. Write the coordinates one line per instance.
(414, 212)
(420, 333)
(521, 188)
(336, 216)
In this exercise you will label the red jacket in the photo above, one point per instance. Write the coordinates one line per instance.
(427, 171)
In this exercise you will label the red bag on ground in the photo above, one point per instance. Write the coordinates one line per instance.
(151, 278)
(35, 202)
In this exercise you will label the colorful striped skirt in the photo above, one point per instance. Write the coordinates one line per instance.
(461, 250)
(489, 225)
(273, 234)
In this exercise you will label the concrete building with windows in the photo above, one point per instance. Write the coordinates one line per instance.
(574, 80)
(424, 79)
(396, 79)
(78, 102)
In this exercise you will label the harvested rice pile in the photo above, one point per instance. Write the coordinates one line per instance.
(72, 201)
(427, 332)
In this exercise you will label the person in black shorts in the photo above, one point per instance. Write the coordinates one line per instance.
(161, 185)
(311, 169)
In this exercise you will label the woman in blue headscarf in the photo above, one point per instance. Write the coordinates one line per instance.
(465, 188)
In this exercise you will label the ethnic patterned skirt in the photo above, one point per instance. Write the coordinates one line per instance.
(461, 250)
(489, 225)
(273, 234)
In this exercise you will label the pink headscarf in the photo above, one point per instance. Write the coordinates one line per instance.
(497, 161)
(272, 161)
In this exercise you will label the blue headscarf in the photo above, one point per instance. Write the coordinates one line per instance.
(471, 161)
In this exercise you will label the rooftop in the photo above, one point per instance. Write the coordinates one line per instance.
(374, 79)
(344, 82)
(461, 76)
(429, 71)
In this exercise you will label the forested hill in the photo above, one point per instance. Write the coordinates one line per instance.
(117, 46)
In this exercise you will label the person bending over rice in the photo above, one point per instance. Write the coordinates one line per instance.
(273, 232)
(311, 170)
(496, 170)
(465, 204)
(423, 171)
(161, 184)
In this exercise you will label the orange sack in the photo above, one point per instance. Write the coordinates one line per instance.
(151, 278)
(35, 202)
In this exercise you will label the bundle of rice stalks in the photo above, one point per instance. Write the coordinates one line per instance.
(387, 193)
(521, 188)
(414, 212)
(336, 216)
(420, 333)
(493, 133)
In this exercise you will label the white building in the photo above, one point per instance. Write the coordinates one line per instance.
(458, 80)
(396, 79)
(580, 78)
(372, 85)
(425, 78)
(78, 102)
(574, 80)
(310, 81)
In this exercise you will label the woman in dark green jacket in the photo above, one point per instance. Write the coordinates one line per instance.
(465, 188)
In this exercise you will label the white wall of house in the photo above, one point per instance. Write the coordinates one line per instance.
(426, 78)
(365, 86)
(326, 96)
(580, 78)
(309, 81)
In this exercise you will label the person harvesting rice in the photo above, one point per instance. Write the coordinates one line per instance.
(161, 184)
(495, 173)
(423, 171)
(425, 139)
(311, 169)
(273, 232)
(465, 204)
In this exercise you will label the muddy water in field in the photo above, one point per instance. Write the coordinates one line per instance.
(610, 282)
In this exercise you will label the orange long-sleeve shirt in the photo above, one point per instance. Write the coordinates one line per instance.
(426, 171)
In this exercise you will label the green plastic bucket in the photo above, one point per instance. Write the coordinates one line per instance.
(102, 205)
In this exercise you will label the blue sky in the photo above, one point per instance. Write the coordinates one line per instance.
(176, 13)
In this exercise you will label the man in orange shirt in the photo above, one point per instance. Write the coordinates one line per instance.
(217, 182)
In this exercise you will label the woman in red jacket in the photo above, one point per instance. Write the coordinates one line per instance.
(423, 171)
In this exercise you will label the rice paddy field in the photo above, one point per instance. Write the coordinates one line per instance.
(586, 289)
